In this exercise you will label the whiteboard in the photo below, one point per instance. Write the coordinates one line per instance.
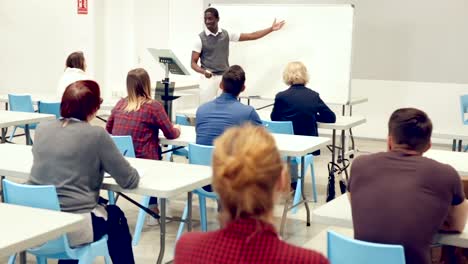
(318, 35)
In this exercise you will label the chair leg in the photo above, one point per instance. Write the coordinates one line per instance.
(182, 224)
(111, 197)
(312, 174)
(297, 196)
(12, 134)
(203, 220)
(41, 260)
(140, 221)
(107, 259)
(12, 259)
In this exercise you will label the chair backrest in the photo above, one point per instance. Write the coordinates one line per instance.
(52, 108)
(20, 103)
(125, 145)
(37, 196)
(279, 127)
(182, 120)
(343, 250)
(200, 154)
(464, 108)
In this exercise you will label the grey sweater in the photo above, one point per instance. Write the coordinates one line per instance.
(74, 159)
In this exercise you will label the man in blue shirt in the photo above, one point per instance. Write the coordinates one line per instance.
(225, 111)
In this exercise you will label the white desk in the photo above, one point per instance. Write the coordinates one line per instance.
(11, 118)
(343, 123)
(458, 160)
(319, 242)
(338, 213)
(27, 227)
(353, 101)
(288, 145)
(160, 178)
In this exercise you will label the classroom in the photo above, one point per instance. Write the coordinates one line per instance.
(234, 131)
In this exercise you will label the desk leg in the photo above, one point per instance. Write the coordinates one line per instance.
(189, 211)
(162, 231)
(1, 186)
(460, 145)
(248, 101)
(454, 144)
(22, 257)
(306, 203)
(28, 135)
(331, 171)
(4, 132)
(343, 144)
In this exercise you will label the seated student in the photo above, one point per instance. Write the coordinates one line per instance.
(214, 117)
(248, 175)
(74, 71)
(299, 104)
(141, 117)
(400, 197)
(73, 155)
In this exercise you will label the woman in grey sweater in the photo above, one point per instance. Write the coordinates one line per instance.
(72, 155)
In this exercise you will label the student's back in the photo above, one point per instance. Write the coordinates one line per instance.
(402, 199)
(225, 111)
(242, 241)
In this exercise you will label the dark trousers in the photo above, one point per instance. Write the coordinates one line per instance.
(100, 228)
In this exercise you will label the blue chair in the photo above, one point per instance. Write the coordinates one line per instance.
(184, 121)
(52, 108)
(125, 145)
(344, 250)
(200, 155)
(45, 197)
(464, 110)
(21, 103)
(286, 127)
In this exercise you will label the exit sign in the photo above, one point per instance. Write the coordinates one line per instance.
(82, 7)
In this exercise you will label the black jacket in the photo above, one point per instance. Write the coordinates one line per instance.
(304, 108)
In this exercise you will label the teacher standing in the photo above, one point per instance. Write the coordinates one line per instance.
(212, 49)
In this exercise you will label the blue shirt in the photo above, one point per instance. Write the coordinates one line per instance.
(223, 112)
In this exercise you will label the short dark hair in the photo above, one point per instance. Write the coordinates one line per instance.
(233, 80)
(76, 60)
(410, 127)
(80, 100)
(213, 11)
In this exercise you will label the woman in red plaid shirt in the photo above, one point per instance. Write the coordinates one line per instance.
(141, 117)
(248, 175)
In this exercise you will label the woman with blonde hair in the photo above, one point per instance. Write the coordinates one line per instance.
(248, 176)
(141, 117)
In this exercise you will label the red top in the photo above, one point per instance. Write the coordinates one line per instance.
(143, 126)
(242, 241)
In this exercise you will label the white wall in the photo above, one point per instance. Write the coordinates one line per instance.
(36, 38)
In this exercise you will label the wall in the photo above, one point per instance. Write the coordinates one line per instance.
(36, 40)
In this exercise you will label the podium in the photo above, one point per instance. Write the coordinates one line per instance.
(171, 64)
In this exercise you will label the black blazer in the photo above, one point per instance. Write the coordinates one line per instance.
(304, 108)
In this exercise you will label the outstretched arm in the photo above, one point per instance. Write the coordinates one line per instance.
(261, 33)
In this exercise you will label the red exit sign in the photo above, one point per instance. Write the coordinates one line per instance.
(82, 7)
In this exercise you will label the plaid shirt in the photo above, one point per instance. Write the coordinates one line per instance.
(242, 241)
(143, 125)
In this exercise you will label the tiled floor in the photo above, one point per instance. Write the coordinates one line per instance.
(296, 232)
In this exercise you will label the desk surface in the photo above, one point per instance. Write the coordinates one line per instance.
(11, 118)
(160, 178)
(342, 122)
(290, 145)
(338, 213)
(458, 160)
(353, 101)
(25, 227)
(319, 242)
